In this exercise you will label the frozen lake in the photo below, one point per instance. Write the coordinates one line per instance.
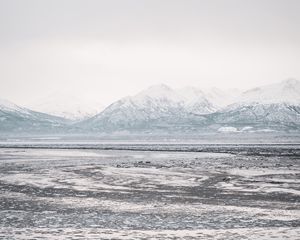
(149, 191)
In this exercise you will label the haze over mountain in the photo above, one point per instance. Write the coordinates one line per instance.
(157, 105)
(287, 91)
(14, 118)
(160, 108)
(67, 106)
(267, 107)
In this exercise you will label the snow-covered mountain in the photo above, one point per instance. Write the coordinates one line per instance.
(222, 98)
(271, 116)
(7, 106)
(274, 106)
(162, 109)
(271, 106)
(67, 106)
(211, 99)
(157, 106)
(287, 91)
(14, 118)
(155, 103)
(196, 101)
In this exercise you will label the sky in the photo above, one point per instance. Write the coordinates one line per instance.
(105, 50)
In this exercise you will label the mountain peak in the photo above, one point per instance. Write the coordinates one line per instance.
(159, 87)
(160, 91)
(191, 93)
(7, 105)
(286, 91)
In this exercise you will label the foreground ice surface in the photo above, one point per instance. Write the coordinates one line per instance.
(122, 194)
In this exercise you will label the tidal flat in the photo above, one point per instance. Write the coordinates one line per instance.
(150, 191)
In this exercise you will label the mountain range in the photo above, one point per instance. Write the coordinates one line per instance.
(161, 109)
(14, 118)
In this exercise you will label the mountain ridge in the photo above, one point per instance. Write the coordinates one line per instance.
(265, 106)
(161, 108)
(14, 118)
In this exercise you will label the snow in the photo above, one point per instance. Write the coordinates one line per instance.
(154, 103)
(11, 107)
(196, 101)
(164, 97)
(191, 94)
(267, 108)
(227, 129)
(251, 112)
(177, 195)
(260, 172)
(287, 91)
(18, 118)
(247, 128)
(221, 98)
(161, 91)
(271, 103)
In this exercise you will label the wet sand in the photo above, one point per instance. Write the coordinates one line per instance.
(215, 192)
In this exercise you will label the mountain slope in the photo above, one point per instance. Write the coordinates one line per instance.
(196, 101)
(274, 116)
(159, 107)
(275, 106)
(222, 98)
(14, 118)
(287, 91)
(155, 105)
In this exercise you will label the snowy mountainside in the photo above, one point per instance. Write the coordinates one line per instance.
(196, 101)
(222, 98)
(6, 105)
(275, 106)
(16, 118)
(273, 115)
(154, 103)
(287, 91)
(159, 108)
(157, 105)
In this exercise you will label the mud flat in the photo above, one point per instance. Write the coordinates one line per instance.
(150, 192)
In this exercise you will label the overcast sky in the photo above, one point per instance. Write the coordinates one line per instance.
(110, 49)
